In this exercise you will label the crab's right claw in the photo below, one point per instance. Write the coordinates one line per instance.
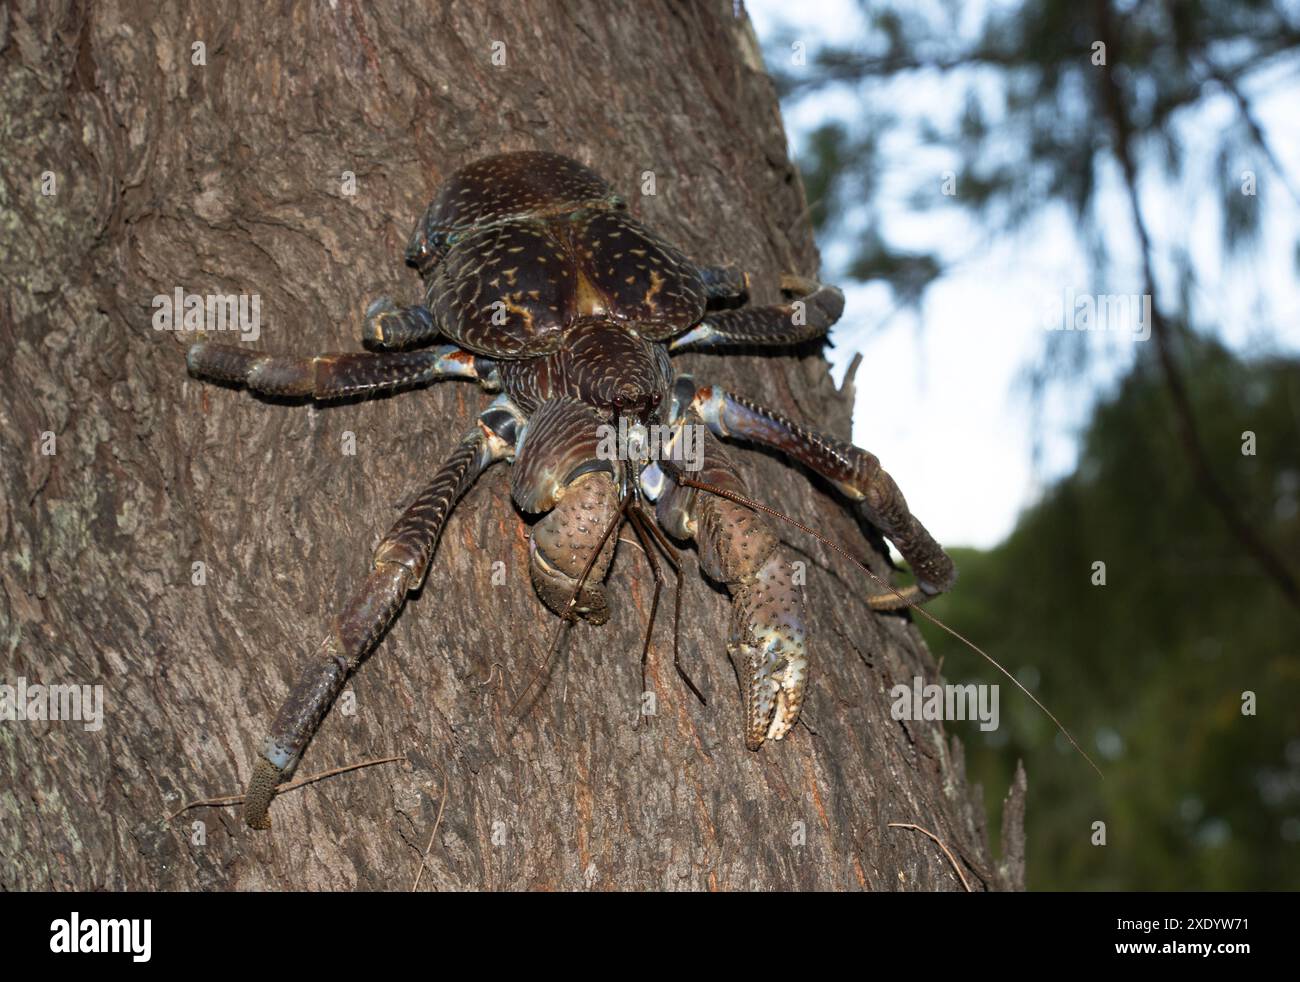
(767, 647)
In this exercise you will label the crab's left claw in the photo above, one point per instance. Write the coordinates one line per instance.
(767, 647)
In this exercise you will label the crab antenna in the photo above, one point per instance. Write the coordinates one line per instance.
(543, 667)
(634, 519)
(740, 499)
(647, 531)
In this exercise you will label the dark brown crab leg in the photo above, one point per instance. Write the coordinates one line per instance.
(334, 376)
(855, 472)
(724, 284)
(808, 316)
(400, 563)
(392, 328)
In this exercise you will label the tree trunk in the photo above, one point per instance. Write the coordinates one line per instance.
(224, 169)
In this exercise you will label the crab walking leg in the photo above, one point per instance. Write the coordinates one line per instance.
(391, 327)
(737, 547)
(808, 316)
(855, 472)
(400, 563)
(724, 284)
(334, 376)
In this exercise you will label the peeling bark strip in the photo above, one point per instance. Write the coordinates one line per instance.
(187, 546)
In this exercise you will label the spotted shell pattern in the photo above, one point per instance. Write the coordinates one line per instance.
(518, 247)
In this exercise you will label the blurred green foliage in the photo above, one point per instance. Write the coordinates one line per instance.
(1148, 671)
(1035, 129)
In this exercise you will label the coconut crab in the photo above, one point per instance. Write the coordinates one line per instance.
(552, 295)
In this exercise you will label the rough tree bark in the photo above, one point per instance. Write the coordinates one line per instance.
(227, 177)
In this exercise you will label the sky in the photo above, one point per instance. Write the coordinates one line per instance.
(940, 396)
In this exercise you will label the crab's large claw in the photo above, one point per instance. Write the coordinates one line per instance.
(766, 645)
(768, 627)
(559, 471)
(562, 544)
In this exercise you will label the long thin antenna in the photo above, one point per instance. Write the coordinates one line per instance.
(638, 517)
(740, 499)
(634, 519)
